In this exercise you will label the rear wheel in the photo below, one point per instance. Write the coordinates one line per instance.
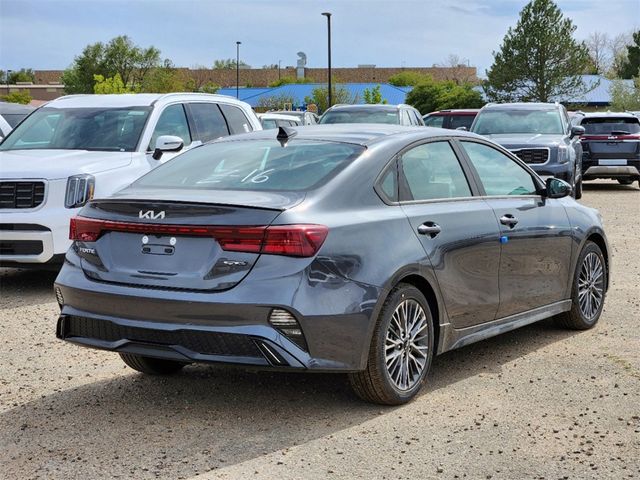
(588, 291)
(150, 365)
(625, 181)
(401, 349)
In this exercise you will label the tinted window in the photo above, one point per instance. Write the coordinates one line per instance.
(209, 122)
(434, 121)
(238, 122)
(172, 121)
(14, 119)
(254, 165)
(105, 129)
(608, 126)
(361, 116)
(461, 121)
(432, 171)
(519, 121)
(500, 175)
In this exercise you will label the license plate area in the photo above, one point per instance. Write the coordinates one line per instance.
(158, 249)
(610, 162)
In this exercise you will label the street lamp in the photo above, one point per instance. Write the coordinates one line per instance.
(238, 70)
(328, 15)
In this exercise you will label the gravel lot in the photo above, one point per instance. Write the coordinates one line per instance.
(538, 403)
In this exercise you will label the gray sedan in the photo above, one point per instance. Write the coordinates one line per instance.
(365, 249)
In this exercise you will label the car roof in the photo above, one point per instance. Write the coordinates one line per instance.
(359, 133)
(8, 108)
(609, 115)
(367, 106)
(278, 116)
(134, 99)
(521, 106)
(453, 111)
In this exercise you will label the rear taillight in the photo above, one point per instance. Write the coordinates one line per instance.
(289, 240)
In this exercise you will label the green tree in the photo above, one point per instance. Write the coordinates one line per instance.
(164, 79)
(373, 95)
(275, 102)
(320, 96)
(21, 96)
(110, 85)
(625, 96)
(430, 96)
(539, 60)
(209, 87)
(228, 64)
(631, 67)
(119, 56)
(22, 75)
(409, 78)
(290, 80)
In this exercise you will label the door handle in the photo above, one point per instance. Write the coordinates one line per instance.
(509, 220)
(429, 228)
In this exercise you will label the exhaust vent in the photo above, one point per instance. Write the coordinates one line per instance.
(288, 326)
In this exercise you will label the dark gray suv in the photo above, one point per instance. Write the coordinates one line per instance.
(540, 134)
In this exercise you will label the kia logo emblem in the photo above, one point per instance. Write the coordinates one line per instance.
(150, 214)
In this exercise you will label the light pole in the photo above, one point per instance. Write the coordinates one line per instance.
(238, 70)
(328, 15)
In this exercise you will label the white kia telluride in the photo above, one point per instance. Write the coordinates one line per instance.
(83, 146)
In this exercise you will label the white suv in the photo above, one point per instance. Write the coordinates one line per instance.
(83, 146)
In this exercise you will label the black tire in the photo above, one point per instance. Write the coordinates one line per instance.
(576, 319)
(625, 181)
(375, 384)
(578, 190)
(150, 365)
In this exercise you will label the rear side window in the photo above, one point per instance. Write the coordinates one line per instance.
(208, 120)
(433, 171)
(254, 165)
(434, 121)
(499, 174)
(172, 121)
(238, 122)
(611, 126)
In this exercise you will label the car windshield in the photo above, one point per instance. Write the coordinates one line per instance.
(361, 116)
(608, 126)
(495, 122)
(107, 129)
(254, 165)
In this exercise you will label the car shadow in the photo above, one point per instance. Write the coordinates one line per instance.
(19, 288)
(207, 417)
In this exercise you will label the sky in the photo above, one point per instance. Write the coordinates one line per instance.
(47, 34)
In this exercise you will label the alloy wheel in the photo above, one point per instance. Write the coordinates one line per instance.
(407, 344)
(591, 285)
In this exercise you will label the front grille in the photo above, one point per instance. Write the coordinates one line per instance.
(20, 247)
(533, 155)
(21, 194)
(207, 343)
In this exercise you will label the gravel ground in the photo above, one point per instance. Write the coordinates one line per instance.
(535, 403)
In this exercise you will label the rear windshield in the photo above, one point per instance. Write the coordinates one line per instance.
(492, 122)
(361, 116)
(254, 165)
(608, 126)
(106, 129)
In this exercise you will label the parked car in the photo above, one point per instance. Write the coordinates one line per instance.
(11, 114)
(274, 120)
(538, 133)
(274, 251)
(78, 147)
(306, 117)
(611, 147)
(452, 119)
(387, 114)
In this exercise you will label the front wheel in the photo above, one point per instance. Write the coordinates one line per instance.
(588, 291)
(401, 349)
(150, 365)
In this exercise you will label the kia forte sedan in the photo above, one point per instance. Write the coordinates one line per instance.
(365, 249)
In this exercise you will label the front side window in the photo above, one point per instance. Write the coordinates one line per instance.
(237, 120)
(208, 121)
(172, 121)
(433, 171)
(499, 174)
(254, 165)
(101, 129)
(434, 121)
(501, 122)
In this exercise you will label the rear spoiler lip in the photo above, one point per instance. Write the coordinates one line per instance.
(148, 200)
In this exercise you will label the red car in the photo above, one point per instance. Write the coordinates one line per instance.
(451, 118)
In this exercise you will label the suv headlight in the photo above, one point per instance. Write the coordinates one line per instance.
(80, 190)
(563, 154)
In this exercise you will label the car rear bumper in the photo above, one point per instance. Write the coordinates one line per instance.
(611, 171)
(229, 326)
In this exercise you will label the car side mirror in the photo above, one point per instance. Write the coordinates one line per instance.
(464, 129)
(556, 188)
(577, 131)
(167, 143)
